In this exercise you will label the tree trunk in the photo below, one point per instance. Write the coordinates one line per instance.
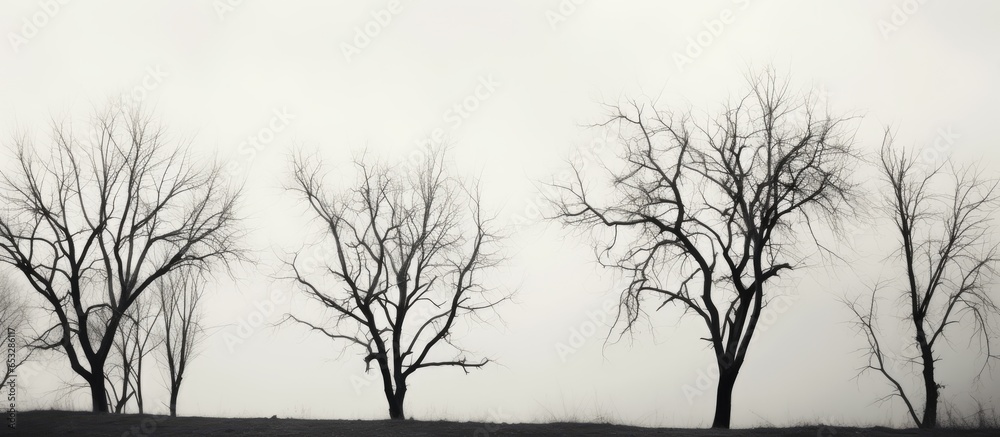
(396, 404)
(930, 388)
(396, 409)
(138, 397)
(98, 393)
(173, 400)
(724, 397)
(138, 386)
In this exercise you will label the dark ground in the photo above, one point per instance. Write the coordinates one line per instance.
(59, 423)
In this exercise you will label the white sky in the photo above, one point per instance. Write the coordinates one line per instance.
(221, 79)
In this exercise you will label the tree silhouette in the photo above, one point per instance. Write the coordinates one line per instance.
(944, 217)
(93, 221)
(180, 295)
(411, 248)
(134, 341)
(705, 215)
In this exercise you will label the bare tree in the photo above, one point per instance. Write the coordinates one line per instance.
(411, 248)
(180, 296)
(705, 215)
(94, 220)
(13, 319)
(948, 259)
(134, 341)
(119, 365)
(145, 342)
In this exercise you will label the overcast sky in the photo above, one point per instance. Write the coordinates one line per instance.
(328, 76)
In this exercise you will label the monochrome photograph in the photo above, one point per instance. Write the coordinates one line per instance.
(512, 218)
